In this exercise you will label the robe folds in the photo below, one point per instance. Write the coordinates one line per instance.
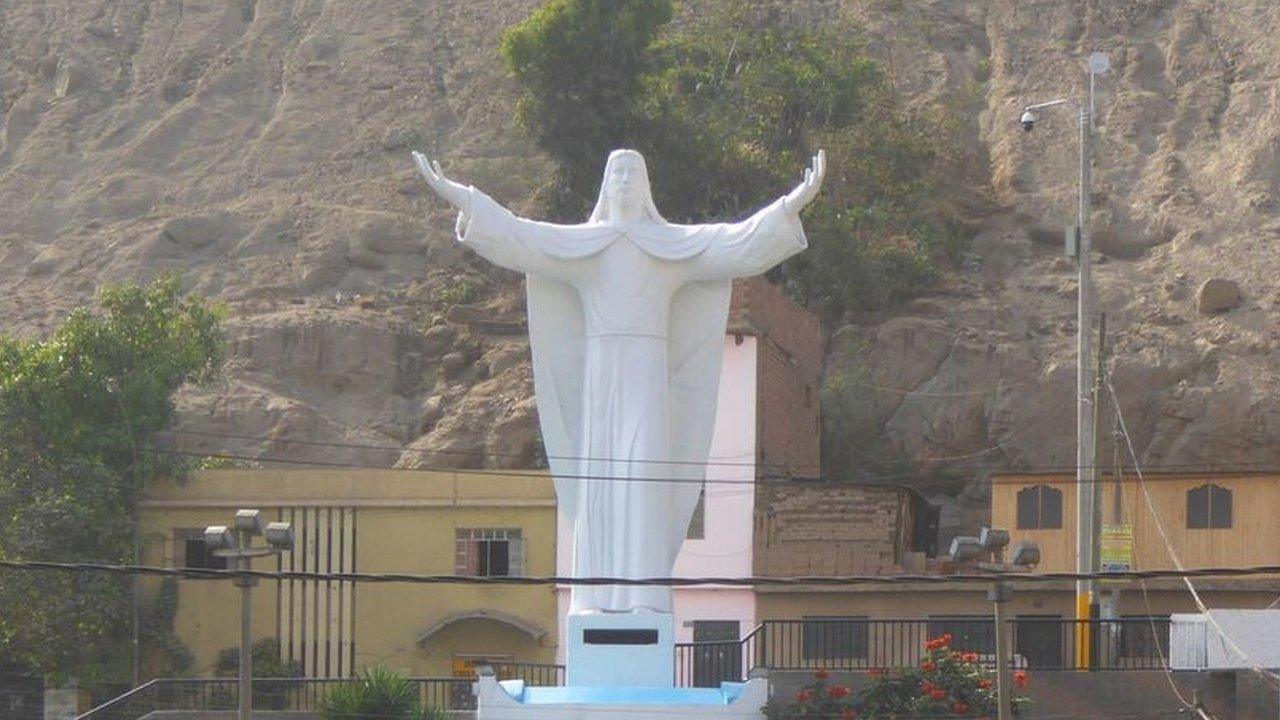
(626, 328)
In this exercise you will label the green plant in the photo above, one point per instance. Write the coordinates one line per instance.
(267, 663)
(461, 292)
(377, 693)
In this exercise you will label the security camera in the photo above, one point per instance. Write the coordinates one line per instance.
(1028, 121)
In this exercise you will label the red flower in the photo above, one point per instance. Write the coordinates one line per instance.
(970, 657)
(938, 694)
(822, 675)
(959, 708)
(926, 687)
(928, 666)
(838, 691)
(804, 695)
(1020, 677)
(847, 714)
(984, 683)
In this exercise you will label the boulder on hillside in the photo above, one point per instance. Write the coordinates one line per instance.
(1217, 295)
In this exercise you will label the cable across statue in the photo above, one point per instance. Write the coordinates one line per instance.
(627, 316)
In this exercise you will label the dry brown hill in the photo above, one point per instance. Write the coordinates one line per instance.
(260, 149)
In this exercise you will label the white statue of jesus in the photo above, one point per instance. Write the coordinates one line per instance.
(627, 317)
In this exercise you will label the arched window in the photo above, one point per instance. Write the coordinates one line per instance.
(1039, 507)
(1208, 506)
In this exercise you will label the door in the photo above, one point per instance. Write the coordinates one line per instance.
(720, 661)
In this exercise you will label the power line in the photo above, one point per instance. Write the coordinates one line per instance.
(1253, 467)
(871, 480)
(826, 580)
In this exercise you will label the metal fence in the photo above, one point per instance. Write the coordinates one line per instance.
(864, 644)
(298, 694)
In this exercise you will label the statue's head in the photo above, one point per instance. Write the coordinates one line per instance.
(624, 192)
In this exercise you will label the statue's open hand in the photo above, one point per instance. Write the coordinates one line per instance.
(807, 190)
(456, 194)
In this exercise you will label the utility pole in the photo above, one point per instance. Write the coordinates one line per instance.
(999, 595)
(1086, 439)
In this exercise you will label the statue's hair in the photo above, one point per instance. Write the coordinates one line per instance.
(601, 211)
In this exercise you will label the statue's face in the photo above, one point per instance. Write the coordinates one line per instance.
(624, 184)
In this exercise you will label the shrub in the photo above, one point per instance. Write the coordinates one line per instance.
(948, 683)
(377, 693)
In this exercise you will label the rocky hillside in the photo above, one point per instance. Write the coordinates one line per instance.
(260, 149)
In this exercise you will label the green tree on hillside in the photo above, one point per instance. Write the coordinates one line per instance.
(79, 415)
(727, 110)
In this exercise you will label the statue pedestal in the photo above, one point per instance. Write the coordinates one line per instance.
(631, 649)
(513, 700)
(619, 666)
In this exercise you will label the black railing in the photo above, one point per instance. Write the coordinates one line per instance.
(864, 644)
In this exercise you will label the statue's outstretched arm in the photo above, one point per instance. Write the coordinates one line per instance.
(456, 194)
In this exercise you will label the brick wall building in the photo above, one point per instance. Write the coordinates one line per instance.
(821, 528)
(789, 364)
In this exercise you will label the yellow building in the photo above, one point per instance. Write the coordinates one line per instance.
(377, 521)
(1211, 520)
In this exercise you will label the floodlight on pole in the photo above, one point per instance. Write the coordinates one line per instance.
(965, 548)
(236, 544)
(993, 540)
(250, 521)
(279, 535)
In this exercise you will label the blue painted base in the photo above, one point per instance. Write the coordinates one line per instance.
(723, 695)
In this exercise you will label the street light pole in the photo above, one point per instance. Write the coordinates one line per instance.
(236, 545)
(1086, 437)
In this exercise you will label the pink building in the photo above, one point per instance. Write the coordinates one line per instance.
(767, 426)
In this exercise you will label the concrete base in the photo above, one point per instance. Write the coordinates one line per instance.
(513, 700)
(634, 649)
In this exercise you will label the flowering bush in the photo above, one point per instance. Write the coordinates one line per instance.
(948, 682)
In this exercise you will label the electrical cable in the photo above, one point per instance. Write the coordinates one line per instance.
(985, 578)
(1272, 677)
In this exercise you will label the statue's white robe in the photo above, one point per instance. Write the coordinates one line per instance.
(626, 327)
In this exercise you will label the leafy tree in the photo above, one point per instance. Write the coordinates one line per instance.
(79, 415)
(583, 64)
(728, 111)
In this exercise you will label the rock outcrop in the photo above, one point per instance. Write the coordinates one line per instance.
(260, 150)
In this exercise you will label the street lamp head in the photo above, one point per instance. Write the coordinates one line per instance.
(1026, 553)
(219, 537)
(965, 548)
(1028, 120)
(249, 520)
(993, 539)
(280, 535)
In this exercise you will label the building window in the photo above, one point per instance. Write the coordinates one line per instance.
(1039, 508)
(835, 638)
(192, 552)
(1208, 506)
(489, 552)
(969, 633)
(698, 523)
